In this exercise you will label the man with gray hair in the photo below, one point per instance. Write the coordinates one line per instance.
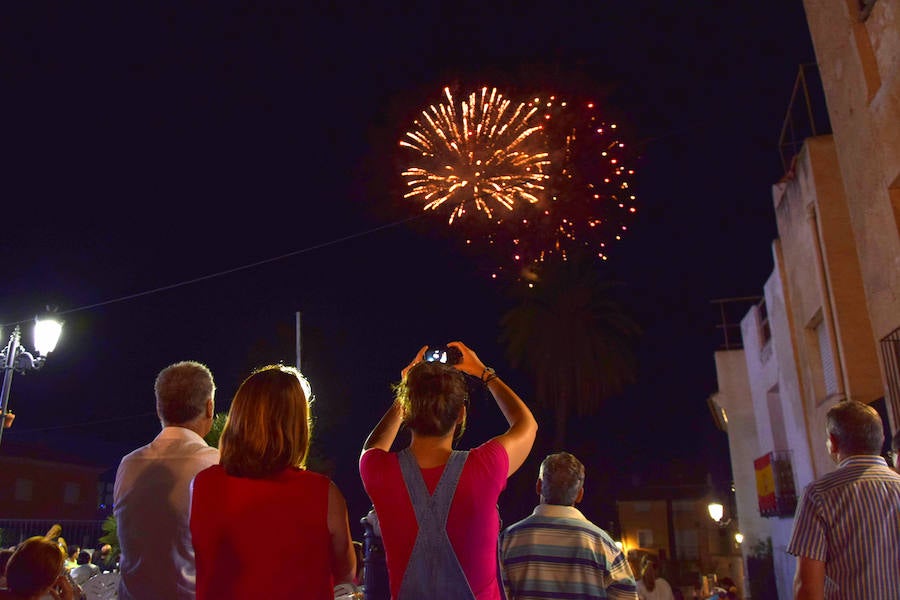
(556, 552)
(152, 495)
(847, 528)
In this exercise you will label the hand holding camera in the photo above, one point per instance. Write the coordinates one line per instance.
(450, 355)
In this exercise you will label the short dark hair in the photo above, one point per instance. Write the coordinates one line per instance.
(182, 390)
(432, 394)
(856, 427)
(84, 557)
(562, 477)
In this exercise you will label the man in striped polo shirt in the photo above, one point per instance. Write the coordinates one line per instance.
(847, 529)
(556, 552)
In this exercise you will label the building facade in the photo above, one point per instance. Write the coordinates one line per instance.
(673, 525)
(828, 326)
(39, 487)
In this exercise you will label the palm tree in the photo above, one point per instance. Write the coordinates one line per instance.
(573, 336)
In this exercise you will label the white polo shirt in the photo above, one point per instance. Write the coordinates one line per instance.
(152, 500)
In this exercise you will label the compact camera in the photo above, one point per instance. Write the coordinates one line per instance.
(450, 355)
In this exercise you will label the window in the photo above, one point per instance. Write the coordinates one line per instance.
(641, 507)
(71, 493)
(776, 419)
(687, 541)
(684, 505)
(890, 356)
(829, 373)
(765, 334)
(24, 489)
(645, 538)
(865, 8)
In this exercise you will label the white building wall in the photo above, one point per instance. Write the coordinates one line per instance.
(734, 397)
(859, 62)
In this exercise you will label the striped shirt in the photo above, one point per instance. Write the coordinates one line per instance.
(850, 520)
(557, 553)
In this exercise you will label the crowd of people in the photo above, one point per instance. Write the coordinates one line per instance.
(190, 516)
(45, 567)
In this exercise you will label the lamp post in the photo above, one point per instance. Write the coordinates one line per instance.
(15, 358)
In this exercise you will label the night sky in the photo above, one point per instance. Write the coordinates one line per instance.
(179, 182)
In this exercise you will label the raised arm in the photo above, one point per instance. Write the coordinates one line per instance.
(384, 434)
(343, 557)
(519, 438)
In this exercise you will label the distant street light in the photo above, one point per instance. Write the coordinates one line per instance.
(716, 511)
(739, 538)
(15, 358)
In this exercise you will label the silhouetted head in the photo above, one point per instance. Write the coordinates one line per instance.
(433, 396)
(184, 391)
(268, 427)
(561, 479)
(854, 428)
(34, 566)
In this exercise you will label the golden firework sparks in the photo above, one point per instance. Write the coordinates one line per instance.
(487, 154)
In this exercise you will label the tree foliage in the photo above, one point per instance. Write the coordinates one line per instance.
(573, 336)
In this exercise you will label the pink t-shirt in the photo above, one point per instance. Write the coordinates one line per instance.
(472, 525)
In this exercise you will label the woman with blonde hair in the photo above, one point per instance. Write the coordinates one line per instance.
(37, 570)
(260, 492)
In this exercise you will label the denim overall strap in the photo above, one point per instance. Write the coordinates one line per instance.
(433, 569)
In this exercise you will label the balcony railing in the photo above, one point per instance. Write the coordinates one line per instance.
(76, 533)
(775, 484)
(890, 355)
(807, 115)
(731, 311)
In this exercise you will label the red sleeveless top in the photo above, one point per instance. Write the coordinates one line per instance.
(261, 538)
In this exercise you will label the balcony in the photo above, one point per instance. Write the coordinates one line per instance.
(807, 116)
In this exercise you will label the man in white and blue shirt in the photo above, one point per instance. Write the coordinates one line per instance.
(556, 552)
(847, 529)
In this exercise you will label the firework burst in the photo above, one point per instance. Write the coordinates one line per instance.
(487, 153)
(589, 200)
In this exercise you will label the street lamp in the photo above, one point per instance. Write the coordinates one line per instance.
(716, 511)
(14, 358)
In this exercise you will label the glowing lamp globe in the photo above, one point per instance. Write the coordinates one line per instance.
(716, 511)
(46, 335)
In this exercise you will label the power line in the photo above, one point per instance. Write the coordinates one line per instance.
(232, 270)
(83, 424)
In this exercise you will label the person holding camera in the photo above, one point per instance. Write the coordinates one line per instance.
(437, 507)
